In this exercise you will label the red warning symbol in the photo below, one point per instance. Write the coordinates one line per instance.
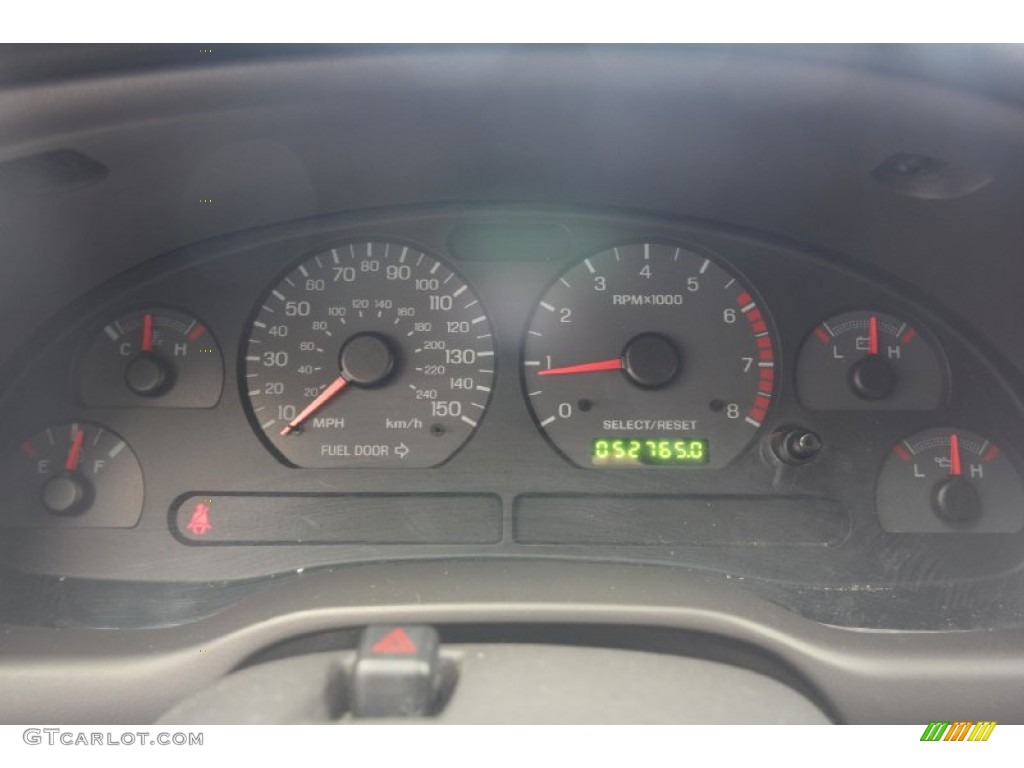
(200, 522)
(395, 643)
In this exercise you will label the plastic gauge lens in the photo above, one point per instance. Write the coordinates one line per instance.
(72, 475)
(869, 361)
(368, 354)
(152, 358)
(649, 355)
(949, 481)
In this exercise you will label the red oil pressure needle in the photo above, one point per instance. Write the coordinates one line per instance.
(147, 333)
(604, 365)
(322, 399)
(954, 455)
(76, 451)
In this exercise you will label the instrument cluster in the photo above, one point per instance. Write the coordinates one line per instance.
(494, 381)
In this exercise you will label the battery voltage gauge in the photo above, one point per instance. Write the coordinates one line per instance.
(867, 360)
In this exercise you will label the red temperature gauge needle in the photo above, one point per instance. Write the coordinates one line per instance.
(604, 365)
(76, 451)
(873, 336)
(322, 399)
(954, 455)
(147, 333)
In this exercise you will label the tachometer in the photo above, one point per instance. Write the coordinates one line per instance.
(368, 354)
(649, 355)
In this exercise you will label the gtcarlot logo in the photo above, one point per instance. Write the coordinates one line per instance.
(61, 737)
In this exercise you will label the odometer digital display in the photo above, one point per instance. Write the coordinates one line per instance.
(368, 354)
(657, 451)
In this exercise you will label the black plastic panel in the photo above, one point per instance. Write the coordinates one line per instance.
(451, 518)
(756, 521)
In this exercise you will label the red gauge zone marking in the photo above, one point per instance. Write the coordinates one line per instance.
(902, 452)
(765, 358)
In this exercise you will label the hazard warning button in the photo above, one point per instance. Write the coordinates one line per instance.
(397, 672)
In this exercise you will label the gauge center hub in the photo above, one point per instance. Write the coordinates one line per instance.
(956, 500)
(64, 495)
(147, 376)
(651, 360)
(367, 360)
(872, 378)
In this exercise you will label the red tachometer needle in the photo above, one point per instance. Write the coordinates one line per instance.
(76, 451)
(147, 333)
(954, 455)
(322, 399)
(604, 365)
(873, 336)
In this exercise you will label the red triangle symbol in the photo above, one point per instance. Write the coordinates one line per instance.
(395, 643)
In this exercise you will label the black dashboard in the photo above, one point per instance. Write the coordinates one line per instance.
(526, 343)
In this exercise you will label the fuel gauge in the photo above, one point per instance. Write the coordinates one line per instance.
(949, 480)
(71, 475)
(152, 357)
(867, 360)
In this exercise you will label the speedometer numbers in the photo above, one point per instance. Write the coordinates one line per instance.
(649, 355)
(368, 354)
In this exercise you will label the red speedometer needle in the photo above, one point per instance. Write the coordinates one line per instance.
(76, 451)
(147, 333)
(603, 365)
(954, 455)
(873, 336)
(322, 399)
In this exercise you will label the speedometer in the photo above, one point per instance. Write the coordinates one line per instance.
(649, 355)
(368, 354)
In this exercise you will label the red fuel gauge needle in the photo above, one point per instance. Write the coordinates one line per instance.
(603, 365)
(76, 451)
(322, 399)
(147, 333)
(873, 336)
(954, 455)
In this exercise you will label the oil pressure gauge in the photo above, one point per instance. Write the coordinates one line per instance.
(868, 360)
(949, 480)
(152, 357)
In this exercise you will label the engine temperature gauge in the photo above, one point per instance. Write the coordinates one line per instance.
(869, 361)
(153, 357)
(949, 480)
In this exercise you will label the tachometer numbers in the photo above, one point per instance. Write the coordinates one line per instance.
(371, 354)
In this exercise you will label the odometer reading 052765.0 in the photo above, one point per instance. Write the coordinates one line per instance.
(649, 355)
(650, 451)
(368, 354)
